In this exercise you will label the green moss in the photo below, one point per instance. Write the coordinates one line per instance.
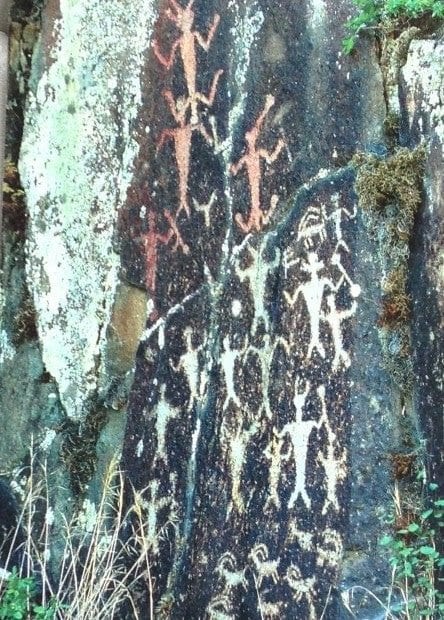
(382, 16)
(390, 193)
(392, 125)
(395, 181)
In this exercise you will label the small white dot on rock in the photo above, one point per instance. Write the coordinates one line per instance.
(236, 307)
(355, 290)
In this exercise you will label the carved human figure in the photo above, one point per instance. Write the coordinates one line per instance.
(190, 365)
(205, 208)
(156, 505)
(336, 217)
(355, 289)
(299, 432)
(164, 413)
(237, 449)
(312, 292)
(334, 318)
(227, 360)
(183, 18)
(181, 137)
(251, 161)
(334, 461)
(152, 239)
(273, 452)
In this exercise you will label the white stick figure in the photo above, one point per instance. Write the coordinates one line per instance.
(299, 433)
(335, 318)
(312, 292)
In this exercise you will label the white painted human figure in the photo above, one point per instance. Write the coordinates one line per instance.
(190, 363)
(334, 318)
(256, 274)
(163, 413)
(299, 432)
(334, 464)
(312, 292)
(273, 452)
(237, 450)
(228, 359)
(337, 216)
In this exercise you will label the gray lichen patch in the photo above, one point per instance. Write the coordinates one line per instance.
(76, 163)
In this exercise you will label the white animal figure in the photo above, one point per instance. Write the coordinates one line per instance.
(264, 568)
(228, 572)
(302, 588)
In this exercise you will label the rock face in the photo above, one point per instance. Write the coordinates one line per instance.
(190, 187)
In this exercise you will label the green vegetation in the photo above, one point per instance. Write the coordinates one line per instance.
(389, 15)
(416, 561)
(390, 194)
(92, 567)
(18, 600)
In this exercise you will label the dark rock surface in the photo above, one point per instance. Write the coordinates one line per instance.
(202, 282)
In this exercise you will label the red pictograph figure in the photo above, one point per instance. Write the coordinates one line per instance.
(182, 136)
(186, 43)
(251, 161)
(152, 240)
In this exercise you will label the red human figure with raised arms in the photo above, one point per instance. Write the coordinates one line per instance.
(251, 161)
(182, 136)
(183, 18)
(152, 240)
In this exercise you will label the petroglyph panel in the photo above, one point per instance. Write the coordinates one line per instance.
(238, 423)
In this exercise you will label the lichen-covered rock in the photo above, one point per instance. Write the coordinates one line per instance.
(422, 90)
(76, 160)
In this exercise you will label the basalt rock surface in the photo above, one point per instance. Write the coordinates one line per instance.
(206, 290)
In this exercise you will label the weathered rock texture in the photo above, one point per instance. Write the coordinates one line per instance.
(190, 189)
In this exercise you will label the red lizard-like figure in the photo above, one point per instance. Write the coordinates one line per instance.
(184, 20)
(251, 161)
(181, 137)
(152, 240)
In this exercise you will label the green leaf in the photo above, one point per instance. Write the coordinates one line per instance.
(413, 527)
(433, 486)
(348, 45)
(426, 514)
(429, 551)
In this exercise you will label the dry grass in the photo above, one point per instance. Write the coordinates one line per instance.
(95, 578)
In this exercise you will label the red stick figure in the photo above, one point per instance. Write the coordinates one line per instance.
(184, 20)
(251, 161)
(182, 136)
(153, 239)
